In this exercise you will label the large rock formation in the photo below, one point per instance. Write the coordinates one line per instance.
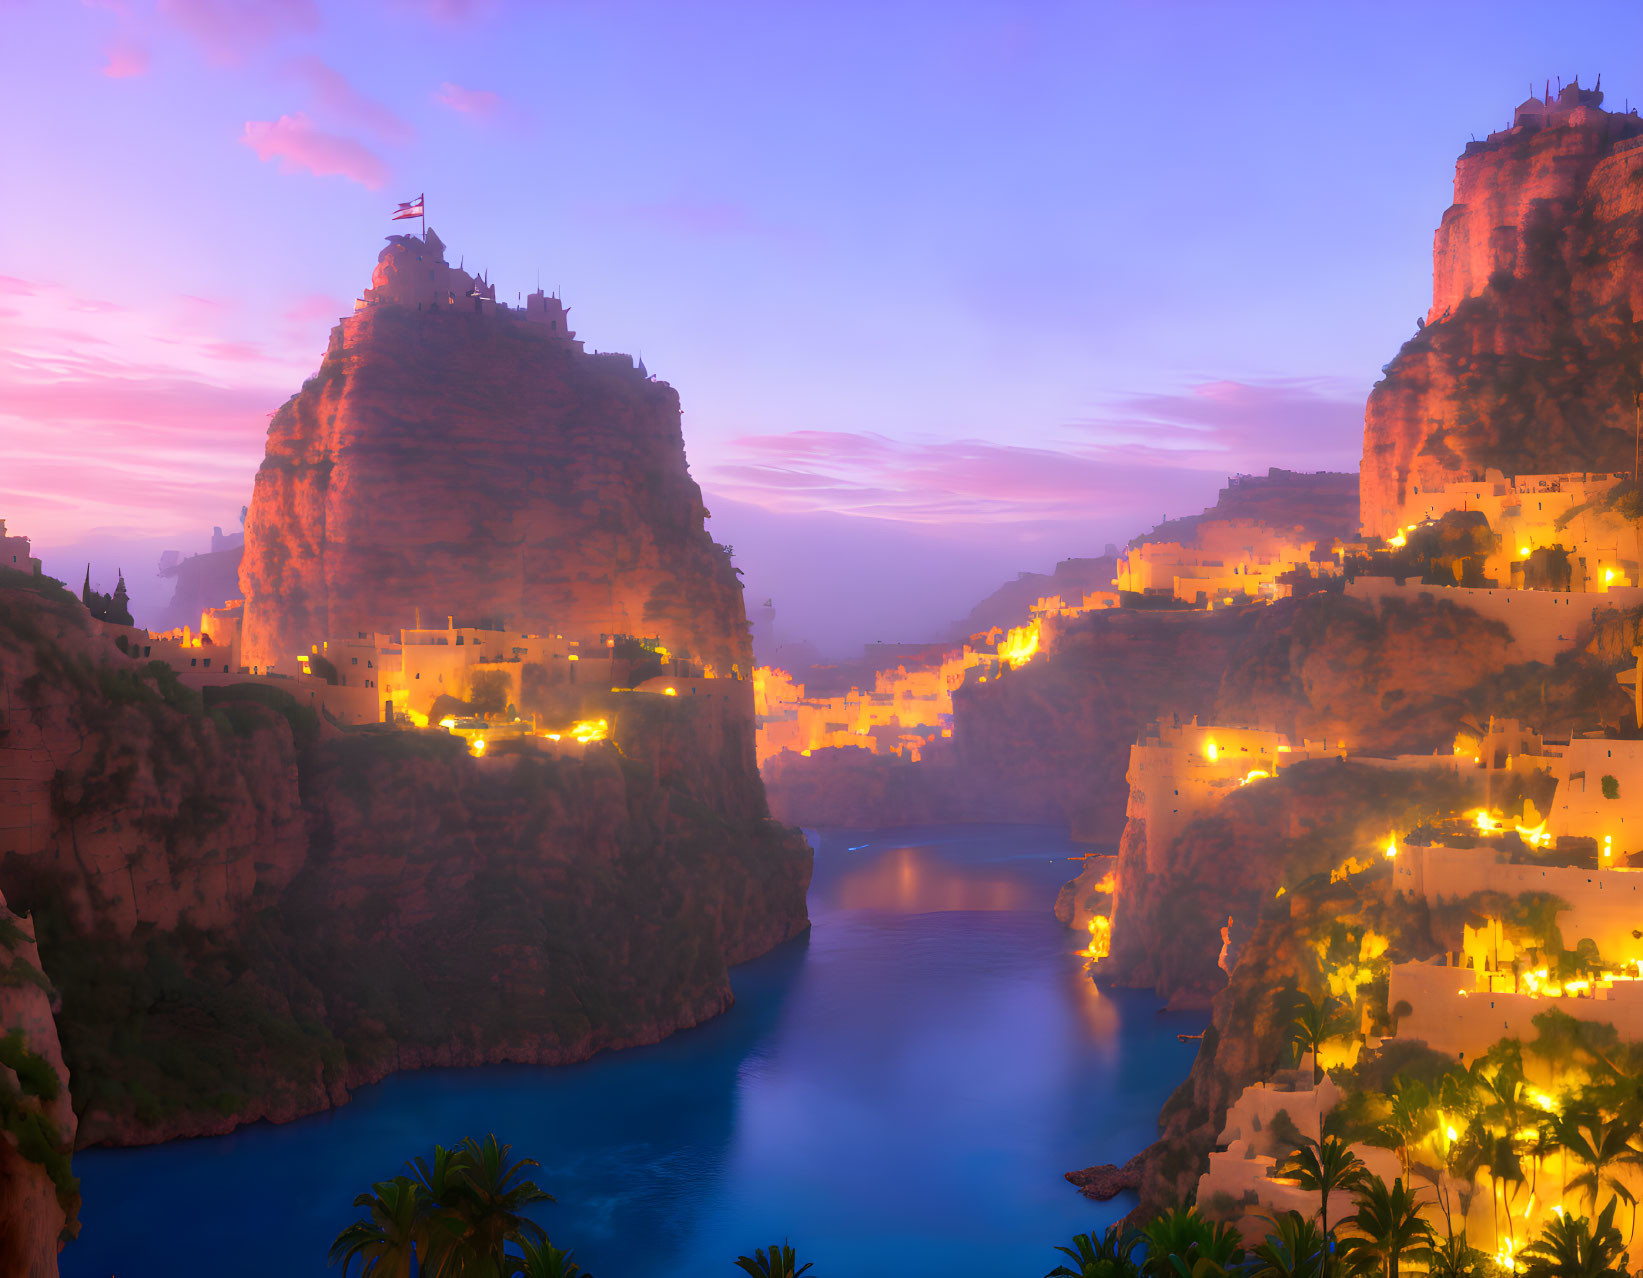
(1531, 353)
(249, 913)
(467, 459)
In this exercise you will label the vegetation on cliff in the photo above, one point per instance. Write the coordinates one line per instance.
(249, 913)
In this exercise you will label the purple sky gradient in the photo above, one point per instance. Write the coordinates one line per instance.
(949, 290)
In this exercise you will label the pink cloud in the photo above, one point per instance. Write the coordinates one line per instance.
(314, 308)
(1304, 422)
(963, 481)
(126, 58)
(230, 29)
(337, 97)
(1142, 454)
(479, 103)
(298, 145)
(145, 418)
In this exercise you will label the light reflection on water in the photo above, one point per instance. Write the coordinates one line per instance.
(899, 1092)
(919, 880)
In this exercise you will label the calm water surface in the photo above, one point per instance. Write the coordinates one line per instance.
(898, 1092)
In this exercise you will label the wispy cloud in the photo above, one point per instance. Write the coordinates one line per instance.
(1143, 452)
(1311, 422)
(480, 104)
(298, 145)
(139, 419)
(229, 30)
(334, 95)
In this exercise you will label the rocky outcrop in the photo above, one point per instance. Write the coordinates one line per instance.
(465, 461)
(250, 913)
(39, 1197)
(1530, 356)
(1107, 1180)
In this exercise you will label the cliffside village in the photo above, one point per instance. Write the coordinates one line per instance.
(466, 680)
(1545, 556)
(1581, 857)
(1539, 553)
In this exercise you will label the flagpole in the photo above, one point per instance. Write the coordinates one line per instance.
(422, 203)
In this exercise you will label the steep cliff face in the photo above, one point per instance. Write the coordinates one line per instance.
(39, 1198)
(1400, 678)
(1393, 678)
(1530, 356)
(249, 913)
(472, 463)
(1223, 870)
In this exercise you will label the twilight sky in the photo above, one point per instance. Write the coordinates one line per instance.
(949, 290)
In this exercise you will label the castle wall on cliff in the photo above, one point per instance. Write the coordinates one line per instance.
(1528, 359)
(468, 458)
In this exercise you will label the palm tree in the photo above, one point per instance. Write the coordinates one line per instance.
(385, 1244)
(1312, 1023)
(1112, 1255)
(1409, 1117)
(777, 1263)
(1324, 1167)
(1178, 1239)
(1573, 1247)
(1389, 1227)
(1296, 1248)
(1602, 1145)
(488, 1196)
(441, 1186)
(543, 1260)
(1454, 1257)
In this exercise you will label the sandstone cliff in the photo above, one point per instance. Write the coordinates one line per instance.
(466, 461)
(39, 1198)
(1394, 679)
(1531, 353)
(249, 913)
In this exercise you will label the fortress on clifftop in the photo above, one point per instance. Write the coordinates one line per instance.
(458, 457)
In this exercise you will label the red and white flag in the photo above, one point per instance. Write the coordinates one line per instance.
(411, 208)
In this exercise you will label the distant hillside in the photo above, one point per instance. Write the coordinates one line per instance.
(1323, 502)
(1011, 603)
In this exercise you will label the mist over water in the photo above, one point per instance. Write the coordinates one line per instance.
(898, 1092)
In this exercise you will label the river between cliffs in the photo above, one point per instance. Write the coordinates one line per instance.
(897, 1093)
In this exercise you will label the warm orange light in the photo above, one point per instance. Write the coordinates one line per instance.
(1100, 937)
(1210, 751)
(586, 730)
(670, 692)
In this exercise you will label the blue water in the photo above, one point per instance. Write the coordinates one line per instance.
(898, 1092)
